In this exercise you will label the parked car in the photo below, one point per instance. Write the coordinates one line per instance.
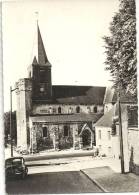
(15, 166)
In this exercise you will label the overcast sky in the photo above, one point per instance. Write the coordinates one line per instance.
(72, 33)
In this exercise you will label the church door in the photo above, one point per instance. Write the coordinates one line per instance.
(86, 138)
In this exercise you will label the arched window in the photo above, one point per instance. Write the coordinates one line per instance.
(59, 110)
(95, 109)
(45, 131)
(78, 109)
(88, 109)
(50, 110)
(70, 110)
(66, 131)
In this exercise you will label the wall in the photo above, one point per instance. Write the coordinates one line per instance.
(55, 138)
(108, 107)
(104, 142)
(23, 107)
(53, 108)
(133, 146)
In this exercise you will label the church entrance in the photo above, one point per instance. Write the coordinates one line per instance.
(86, 138)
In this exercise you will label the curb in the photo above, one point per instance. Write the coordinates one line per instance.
(95, 182)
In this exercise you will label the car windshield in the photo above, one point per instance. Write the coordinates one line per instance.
(10, 162)
(17, 162)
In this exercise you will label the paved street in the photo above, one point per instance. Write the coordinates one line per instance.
(52, 182)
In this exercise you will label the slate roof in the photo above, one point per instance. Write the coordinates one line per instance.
(111, 96)
(67, 94)
(106, 119)
(80, 117)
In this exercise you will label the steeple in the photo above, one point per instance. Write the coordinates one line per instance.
(39, 52)
(34, 61)
(42, 57)
(40, 71)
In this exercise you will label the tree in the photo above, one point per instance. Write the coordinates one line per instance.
(7, 125)
(121, 54)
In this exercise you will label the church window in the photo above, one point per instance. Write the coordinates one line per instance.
(45, 132)
(50, 110)
(70, 110)
(59, 110)
(88, 109)
(78, 109)
(42, 76)
(109, 150)
(95, 109)
(66, 131)
(99, 134)
(30, 74)
(109, 135)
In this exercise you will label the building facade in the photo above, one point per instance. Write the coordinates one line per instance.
(55, 116)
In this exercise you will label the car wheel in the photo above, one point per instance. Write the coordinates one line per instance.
(23, 175)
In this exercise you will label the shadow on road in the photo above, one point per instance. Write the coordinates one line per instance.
(59, 182)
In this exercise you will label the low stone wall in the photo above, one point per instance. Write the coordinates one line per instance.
(133, 146)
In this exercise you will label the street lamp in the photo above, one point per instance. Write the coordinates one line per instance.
(11, 90)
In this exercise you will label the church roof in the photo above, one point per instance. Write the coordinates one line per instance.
(67, 94)
(111, 96)
(80, 117)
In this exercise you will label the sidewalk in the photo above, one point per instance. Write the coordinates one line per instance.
(110, 181)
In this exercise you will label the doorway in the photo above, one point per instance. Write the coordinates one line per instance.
(86, 138)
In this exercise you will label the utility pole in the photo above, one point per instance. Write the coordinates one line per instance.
(11, 122)
(121, 135)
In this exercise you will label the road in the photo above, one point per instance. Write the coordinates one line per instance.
(56, 155)
(52, 182)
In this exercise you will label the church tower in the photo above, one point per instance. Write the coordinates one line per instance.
(40, 73)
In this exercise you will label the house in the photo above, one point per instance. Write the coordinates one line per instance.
(55, 116)
(107, 127)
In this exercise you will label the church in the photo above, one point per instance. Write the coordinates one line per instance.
(55, 116)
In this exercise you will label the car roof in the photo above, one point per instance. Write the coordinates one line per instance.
(12, 158)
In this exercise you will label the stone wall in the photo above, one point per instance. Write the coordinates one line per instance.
(133, 146)
(55, 138)
(23, 92)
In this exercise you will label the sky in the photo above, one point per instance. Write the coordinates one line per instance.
(72, 33)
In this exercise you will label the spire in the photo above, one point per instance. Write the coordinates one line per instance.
(42, 57)
(35, 60)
